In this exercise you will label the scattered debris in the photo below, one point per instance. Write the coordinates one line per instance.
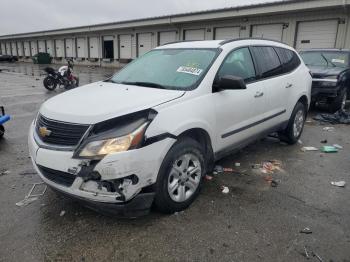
(32, 195)
(328, 128)
(207, 177)
(329, 149)
(269, 167)
(4, 172)
(317, 256)
(220, 169)
(26, 201)
(225, 189)
(37, 79)
(324, 141)
(271, 181)
(338, 183)
(306, 230)
(306, 253)
(338, 146)
(237, 164)
(62, 213)
(27, 172)
(309, 148)
(339, 117)
(300, 142)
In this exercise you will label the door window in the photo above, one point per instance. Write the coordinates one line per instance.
(268, 61)
(239, 63)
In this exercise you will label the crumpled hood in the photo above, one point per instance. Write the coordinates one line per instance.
(323, 71)
(100, 101)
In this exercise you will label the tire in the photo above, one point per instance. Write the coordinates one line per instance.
(295, 125)
(49, 83)
(172, 177)
(339, 102)
(2, 131)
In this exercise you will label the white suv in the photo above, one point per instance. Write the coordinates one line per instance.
(151, 132)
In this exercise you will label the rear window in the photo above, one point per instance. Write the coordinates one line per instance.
(289, 59)
(267, 60)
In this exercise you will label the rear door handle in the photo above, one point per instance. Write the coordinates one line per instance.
(258, 94)
(289, 85)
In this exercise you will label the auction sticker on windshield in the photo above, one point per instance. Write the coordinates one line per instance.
(189, 70)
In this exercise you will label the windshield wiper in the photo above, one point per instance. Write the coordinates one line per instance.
(328, 62)
(146, 84)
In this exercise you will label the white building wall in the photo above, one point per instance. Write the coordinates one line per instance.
(245, 24)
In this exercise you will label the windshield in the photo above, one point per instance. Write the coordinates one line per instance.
(325, 58)
(180, 69)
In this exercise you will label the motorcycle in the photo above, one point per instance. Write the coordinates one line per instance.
(63, 77)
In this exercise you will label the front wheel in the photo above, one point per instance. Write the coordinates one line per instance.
(180, 176)
(339, 102)
(295, 125)
(50, 83)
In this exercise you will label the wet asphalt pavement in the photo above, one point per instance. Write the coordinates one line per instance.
(253, 222)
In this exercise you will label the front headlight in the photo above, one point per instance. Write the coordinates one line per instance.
(100, 148)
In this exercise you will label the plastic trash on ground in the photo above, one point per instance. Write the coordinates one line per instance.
(225, 189)
(309, 148)
(329, 149)
(338, 183)
(328, 128)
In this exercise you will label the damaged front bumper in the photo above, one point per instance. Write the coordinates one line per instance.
(117, 184)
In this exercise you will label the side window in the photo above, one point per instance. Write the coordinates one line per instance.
(267, 60)
(238, 63)
(289, 59)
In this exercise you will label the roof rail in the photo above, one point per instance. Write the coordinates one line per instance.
(247, 38)
(182, 41)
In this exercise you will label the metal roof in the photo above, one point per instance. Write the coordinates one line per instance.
(178, 18)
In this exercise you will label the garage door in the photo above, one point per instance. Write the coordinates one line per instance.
(41, 45)
(273, 31)
(50, 47)
(167, 37)
(3, 48)
(194, 34)
(93, 47)
(81, 47)
(20, 48)
(125, 46)
(317, 34)
(26, 49)
(69, 47)
(223, 33)
(144, 43)
(59, 43)
(34, 47)
(14, 48)
(8, 48)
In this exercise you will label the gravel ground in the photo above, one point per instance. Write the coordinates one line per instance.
(253, 222)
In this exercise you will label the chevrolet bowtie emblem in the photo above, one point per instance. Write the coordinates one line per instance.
(43, 131)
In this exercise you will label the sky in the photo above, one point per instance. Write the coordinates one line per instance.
(18, 16)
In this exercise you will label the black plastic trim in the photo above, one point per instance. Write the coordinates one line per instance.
(157, 138)
(252, 124)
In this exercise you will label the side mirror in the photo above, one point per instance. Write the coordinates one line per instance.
(230, 82)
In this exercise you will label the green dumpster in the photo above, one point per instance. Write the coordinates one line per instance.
(42, 58)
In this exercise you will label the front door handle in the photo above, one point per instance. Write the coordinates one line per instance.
(289, 85)
(258, 94)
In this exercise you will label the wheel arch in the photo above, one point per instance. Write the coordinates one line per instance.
(202, 137)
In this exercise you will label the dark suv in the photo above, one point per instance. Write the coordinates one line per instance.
(330, 69)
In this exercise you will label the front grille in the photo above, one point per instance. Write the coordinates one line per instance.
(56, 176)
(60, 133)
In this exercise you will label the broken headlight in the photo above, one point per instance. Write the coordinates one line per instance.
(104, 147)
(116, 135)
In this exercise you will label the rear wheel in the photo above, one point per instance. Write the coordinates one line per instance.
(295, 125)
(180, 176)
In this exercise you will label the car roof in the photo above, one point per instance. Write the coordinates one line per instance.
(221, 43)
